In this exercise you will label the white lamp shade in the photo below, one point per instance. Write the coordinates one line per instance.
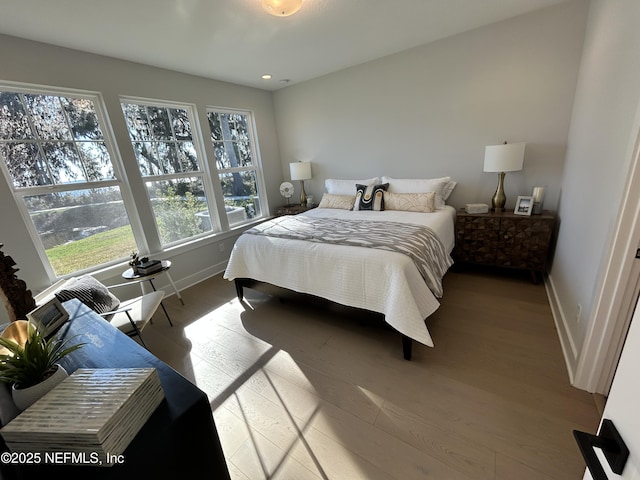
(300, 170)
(507, 157)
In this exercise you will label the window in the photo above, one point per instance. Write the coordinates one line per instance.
(237, 164)
(165, 143)
(59, 163)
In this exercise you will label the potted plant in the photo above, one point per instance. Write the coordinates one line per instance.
(33, 368)
(135, 261)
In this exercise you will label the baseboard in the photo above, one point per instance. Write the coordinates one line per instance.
(569, 349)
(600, 401)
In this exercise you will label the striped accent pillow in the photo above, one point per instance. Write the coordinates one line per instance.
(370, 197)
(91, 292)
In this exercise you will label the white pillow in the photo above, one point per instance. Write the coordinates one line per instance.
(421, 185)
(448, 188)
(346, 187)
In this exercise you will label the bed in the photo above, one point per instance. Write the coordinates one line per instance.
(357, 271)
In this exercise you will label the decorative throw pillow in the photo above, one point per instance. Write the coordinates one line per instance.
(370, 197)
(344, 202)
(410, 202)
(91, 292)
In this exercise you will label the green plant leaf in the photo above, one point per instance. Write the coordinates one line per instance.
(26, 366)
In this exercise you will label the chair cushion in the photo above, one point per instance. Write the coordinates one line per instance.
(50, 292)
(89, 291)
(142, 309)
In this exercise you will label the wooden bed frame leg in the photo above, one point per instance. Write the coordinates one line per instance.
(407, 345)
(239, 288)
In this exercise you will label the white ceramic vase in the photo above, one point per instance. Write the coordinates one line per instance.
(24, 397)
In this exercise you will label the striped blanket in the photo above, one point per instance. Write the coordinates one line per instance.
(418, 242)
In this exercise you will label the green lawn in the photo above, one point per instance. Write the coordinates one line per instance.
(94, 250)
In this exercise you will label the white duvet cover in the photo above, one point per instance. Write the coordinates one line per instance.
(372, 279)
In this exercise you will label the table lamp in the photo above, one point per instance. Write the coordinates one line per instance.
(507, 157)
(301, 171)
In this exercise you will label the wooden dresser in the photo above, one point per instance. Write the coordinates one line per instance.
(505, 240)
(291, 209)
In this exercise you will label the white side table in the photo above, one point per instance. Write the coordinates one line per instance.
(166, 265)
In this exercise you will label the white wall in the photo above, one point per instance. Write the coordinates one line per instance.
(37, 63)
(603, 132)
(429, 111)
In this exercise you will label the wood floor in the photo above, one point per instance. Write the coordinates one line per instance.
(303, 389)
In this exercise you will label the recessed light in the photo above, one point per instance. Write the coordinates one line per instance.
(266, 76)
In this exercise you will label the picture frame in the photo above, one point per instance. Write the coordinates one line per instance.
(524, 205)
(49, 316)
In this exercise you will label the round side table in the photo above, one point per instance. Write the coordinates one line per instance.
(166, 265)
(149, 277)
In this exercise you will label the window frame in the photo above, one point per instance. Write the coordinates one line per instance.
(204, 173)
(256, 160)
(146, 237)
(119, 181)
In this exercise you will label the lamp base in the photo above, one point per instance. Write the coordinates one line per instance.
(499, 198)
(303, 194)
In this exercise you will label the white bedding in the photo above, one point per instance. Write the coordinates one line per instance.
(376, 280)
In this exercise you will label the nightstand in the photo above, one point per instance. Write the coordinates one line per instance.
(291, 209)
(505, 239)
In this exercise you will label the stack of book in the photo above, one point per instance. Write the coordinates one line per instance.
(91, 416)
(149, 267)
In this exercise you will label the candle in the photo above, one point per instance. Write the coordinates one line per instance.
(538, 194)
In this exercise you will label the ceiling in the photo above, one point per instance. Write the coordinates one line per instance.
(236, 41)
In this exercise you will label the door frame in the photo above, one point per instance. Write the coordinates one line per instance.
(617, 291)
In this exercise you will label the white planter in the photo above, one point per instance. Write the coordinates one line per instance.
(24, 397)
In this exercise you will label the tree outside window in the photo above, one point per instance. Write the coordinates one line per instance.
(236, 160)
(59, 159)
(59, 163)
(166, 150)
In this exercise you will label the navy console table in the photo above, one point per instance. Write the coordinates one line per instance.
(179, 438)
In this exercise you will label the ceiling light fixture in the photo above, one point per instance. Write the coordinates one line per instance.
(281, 8)
(266, 76)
